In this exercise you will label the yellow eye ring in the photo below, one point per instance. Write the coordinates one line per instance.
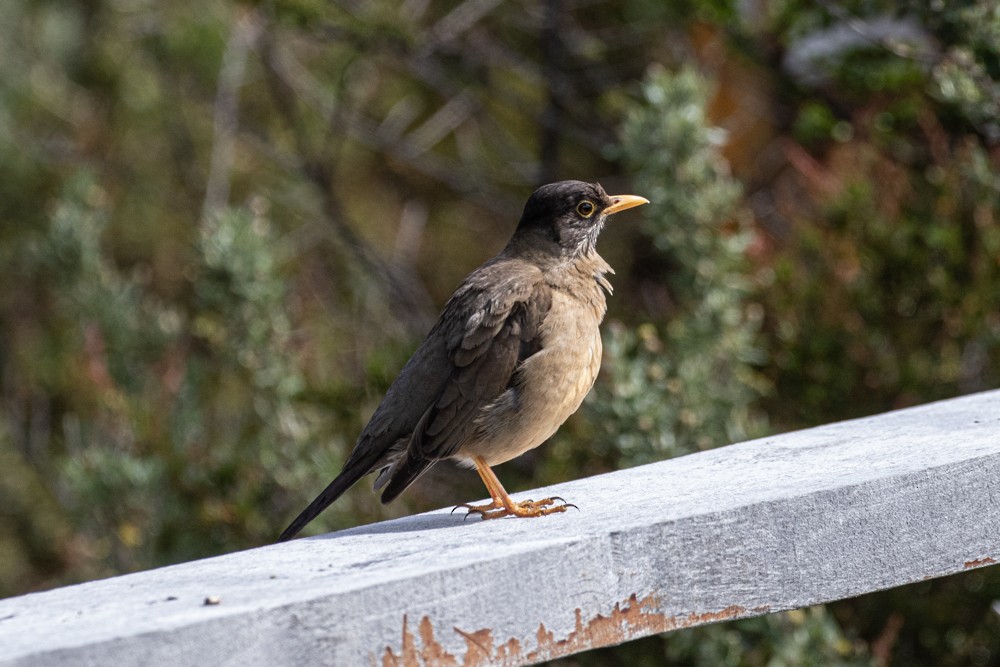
(586, 208)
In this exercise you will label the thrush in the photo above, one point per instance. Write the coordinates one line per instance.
(511, 357)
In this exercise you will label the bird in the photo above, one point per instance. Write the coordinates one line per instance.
(512, 355)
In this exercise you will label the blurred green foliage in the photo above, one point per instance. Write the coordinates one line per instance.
(655, 404)
(224, 226)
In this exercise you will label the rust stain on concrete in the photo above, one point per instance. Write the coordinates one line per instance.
(629, 620)
(979, 562)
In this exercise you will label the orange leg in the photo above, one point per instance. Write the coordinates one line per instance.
(502, 505)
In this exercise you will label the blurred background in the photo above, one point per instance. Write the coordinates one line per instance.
(224, 226)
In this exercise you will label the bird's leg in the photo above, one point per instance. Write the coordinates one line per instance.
(503, 505)
(493, 487)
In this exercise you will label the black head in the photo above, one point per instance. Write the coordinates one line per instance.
(571, 214)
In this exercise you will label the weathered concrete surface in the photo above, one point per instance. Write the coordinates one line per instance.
(762, 526)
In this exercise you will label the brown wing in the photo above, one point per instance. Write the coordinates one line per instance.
(468, 358)
(490, 325)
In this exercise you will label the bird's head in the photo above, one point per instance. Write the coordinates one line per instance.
(571, 214)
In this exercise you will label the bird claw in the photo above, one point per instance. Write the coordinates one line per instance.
(523, 509)
(482, 510)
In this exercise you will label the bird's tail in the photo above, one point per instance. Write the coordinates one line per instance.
(334, 490)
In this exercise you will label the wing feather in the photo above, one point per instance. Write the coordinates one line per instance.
(491, 325)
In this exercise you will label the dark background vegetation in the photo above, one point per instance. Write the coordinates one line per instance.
(223, 227)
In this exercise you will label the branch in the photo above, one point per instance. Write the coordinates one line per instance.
(246, 30)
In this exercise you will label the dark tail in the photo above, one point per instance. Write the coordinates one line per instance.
(336, 488)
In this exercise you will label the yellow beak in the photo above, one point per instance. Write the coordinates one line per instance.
(622, 202)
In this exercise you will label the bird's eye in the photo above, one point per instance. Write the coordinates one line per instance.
(585, 208)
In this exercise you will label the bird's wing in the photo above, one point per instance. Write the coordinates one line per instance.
(489, 327)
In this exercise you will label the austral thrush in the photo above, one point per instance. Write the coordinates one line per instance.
(512, 356)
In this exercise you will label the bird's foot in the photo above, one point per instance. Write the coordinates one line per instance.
(526, 508)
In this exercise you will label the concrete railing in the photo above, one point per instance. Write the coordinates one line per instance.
(753, 528)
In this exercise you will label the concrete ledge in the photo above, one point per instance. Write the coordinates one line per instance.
(758, 527)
